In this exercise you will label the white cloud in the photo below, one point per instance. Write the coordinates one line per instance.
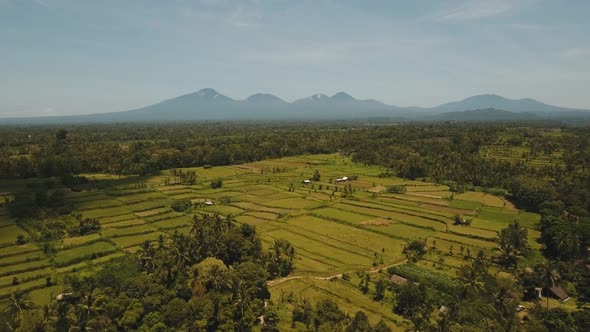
(576, 53)
(479, 9)
(240, 18)
(318, 53)
(526, 27)
(220, 11)
(43, 3)
(309, 55)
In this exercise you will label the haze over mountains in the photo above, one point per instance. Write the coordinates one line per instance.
(208, 104)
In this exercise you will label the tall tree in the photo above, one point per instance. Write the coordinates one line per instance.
(18, 302)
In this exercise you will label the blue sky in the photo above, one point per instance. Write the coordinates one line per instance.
(81, 56)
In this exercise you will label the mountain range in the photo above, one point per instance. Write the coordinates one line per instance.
(210, 105)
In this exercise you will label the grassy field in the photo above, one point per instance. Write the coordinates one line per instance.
(332, 234)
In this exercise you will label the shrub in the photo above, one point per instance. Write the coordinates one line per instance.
(415, 250)
(415, 273)
(20, 239)
(396, 189)
(88, 225)
(180, 206)
(217, 183)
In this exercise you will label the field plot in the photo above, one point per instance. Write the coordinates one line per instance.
(149, 204)
(343, 215)
(79, 240)
(18, 250)
(250, 220)
(122, 217)
(467, 205)
(348, 298)
(106, 212)
(431, 194)
(99, 202)
(420, 219)
(250, 206)
(25, 286)
(9, 233)
(223, 209)
(331, 233)
(483, 198)
(466, 241)
(443, 214)
(136, 198)
(153, 212)
(124, 223)
(262, 215)
(487, 224)
(474, 232)
(23, 267)
(133, 230)
(135, 240)
(358, 237)
(169, 214)
(293, 203)
(419, 199)
(23, 258)
(173, 223)
(498, 214)
(80, 253)
(425, 188)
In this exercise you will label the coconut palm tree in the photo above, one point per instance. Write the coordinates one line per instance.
(546, 273)
(19, 301)
(147, 257)
(471, 279)
(567, 242)
(194, 281)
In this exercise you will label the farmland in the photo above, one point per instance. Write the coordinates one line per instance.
(335, 227)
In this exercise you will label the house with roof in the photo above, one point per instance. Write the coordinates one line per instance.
(557, 292)
(398, 280)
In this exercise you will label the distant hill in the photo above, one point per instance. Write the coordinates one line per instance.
(526, 105)
(484, 115)
(265, 99)
(208, 104)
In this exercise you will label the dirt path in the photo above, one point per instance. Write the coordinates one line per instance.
(275, 282)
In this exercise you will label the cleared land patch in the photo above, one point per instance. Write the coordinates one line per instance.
(377, 222)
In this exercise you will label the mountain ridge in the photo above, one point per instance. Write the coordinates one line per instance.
(209, 104)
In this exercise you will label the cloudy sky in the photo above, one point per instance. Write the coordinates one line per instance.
(83, 56)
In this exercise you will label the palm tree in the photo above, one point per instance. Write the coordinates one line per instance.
(567, 241)
(470, 278)
(61, 315)
(547, 276)
(228, 222)
(89, 308)
(194, 281)
(147, 257)
(19, 301)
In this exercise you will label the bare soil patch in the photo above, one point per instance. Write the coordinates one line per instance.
(377, 189)
(377, 222)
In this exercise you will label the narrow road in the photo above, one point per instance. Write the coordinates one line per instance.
(275, 282)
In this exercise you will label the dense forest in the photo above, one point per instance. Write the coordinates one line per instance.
(215, 278)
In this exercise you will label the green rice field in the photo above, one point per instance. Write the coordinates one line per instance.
(331, 233)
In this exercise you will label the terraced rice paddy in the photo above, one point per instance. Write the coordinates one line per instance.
(331, 234)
